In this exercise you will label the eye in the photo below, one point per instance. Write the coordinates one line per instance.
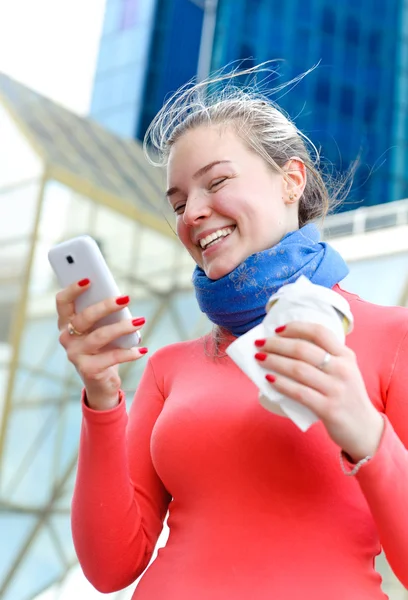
(179, 209)
(217, 182)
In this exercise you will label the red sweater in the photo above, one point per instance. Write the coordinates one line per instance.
(258, 509)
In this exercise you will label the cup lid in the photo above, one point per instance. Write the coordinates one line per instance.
(305, 291)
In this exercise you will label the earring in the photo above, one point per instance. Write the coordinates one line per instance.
(292, 196)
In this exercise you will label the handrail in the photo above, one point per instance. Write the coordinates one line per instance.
(366, 218)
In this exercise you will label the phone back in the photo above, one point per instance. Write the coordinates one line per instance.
(80, 258)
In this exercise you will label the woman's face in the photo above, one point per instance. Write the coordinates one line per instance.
(228, 202)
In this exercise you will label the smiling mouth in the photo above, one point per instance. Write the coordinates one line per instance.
(214, 238)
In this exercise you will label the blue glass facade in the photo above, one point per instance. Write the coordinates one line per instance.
(354, 104)
(121, 66)
(148, 49)
(174, 54)
(349, 104)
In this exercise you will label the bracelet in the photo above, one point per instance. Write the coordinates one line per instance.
(357, 466)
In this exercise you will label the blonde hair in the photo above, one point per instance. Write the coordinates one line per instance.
(258, 121)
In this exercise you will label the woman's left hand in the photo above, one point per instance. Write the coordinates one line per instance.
(335, 391)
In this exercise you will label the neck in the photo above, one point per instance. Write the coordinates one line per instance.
(236, 302)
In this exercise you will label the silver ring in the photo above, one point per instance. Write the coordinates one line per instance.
(325, 361)
(72, 330)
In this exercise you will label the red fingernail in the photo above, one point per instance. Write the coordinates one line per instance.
(143, 350)
(122, 300)
(280, 329)
(83, 282)
(270, 378)
(138, 322)
(261, 356)
(260, 343)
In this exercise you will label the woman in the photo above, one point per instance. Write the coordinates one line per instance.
(257, 509)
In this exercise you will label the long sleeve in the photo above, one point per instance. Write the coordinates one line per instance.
(384, 480)
(119, 502)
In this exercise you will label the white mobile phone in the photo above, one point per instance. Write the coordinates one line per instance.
(80, 258)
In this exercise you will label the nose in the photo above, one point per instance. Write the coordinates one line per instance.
(197, 208)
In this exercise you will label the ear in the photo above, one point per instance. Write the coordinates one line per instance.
(294, 179)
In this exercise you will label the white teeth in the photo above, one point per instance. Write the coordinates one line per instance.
(214, 236)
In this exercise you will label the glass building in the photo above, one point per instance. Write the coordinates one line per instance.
(61, 176)
(148, 48)
(353, 104)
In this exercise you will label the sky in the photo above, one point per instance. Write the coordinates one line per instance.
(51, 46)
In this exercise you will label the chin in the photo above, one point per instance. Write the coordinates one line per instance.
(217, 271)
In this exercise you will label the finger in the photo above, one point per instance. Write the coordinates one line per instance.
(65, 301)
(305, 395)
(102, 336)
(92, 342)
(301, 350)
(298, 371)
(87, 318)
(314, 333)
(89, 366)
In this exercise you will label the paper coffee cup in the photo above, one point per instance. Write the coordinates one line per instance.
(306, 301)
(299, 301)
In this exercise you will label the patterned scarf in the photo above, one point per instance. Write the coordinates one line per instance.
(237, 301)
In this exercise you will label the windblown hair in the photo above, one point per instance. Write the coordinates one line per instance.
(258, 121)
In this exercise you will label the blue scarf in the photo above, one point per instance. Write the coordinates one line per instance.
(237, 301)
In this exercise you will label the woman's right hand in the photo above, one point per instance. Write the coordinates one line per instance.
(96, 365)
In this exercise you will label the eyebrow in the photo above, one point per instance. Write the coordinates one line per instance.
(197, 174)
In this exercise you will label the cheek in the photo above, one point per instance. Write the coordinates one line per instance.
(183, 233)
(227, 204)
(236, 201)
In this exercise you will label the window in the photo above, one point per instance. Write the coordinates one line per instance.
(352, 31)
(129, 14)
(328, 21)
(303, 42)
(247, 57)
(371, 77)
(374, 45)
(370, 110)
(327, 49)
(322, 93)
(304, 10)
(112, 18)
(278, 9)
(347, 100)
